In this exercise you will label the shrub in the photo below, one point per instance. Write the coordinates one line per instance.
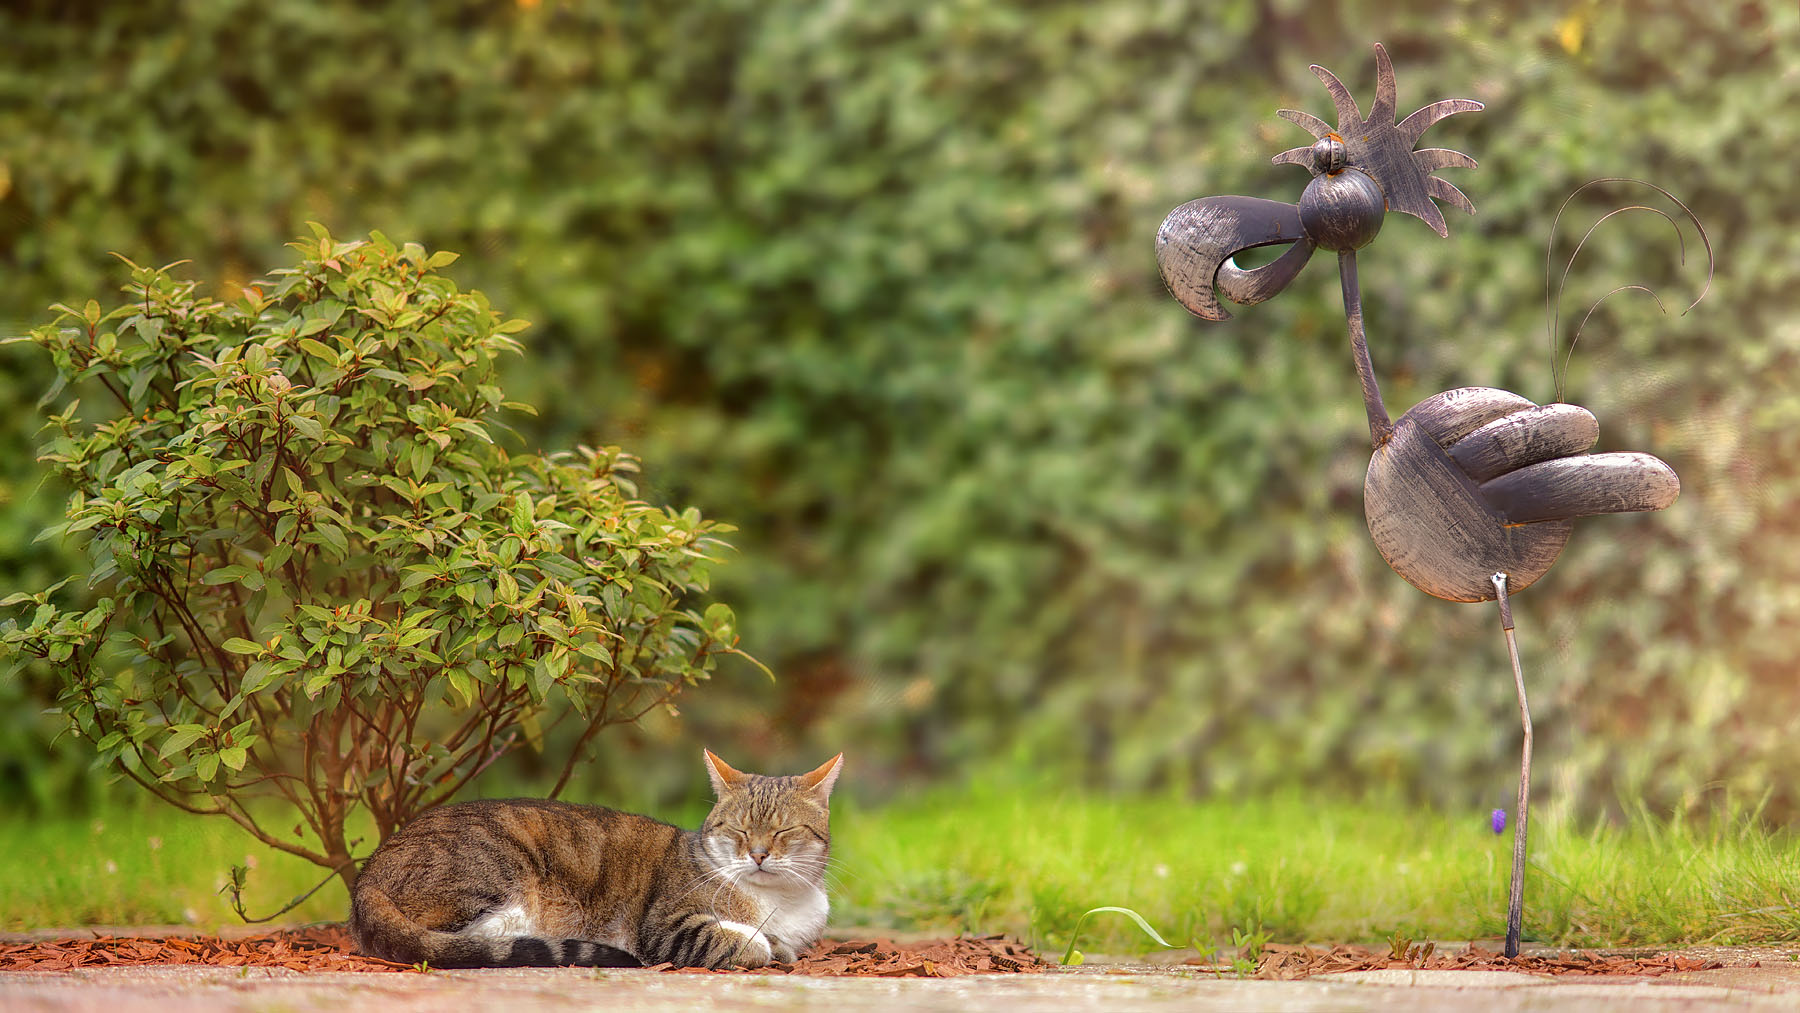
(319, 574)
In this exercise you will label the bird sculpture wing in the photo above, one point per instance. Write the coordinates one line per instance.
(1478, 481)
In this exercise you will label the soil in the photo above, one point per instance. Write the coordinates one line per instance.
(329, 948)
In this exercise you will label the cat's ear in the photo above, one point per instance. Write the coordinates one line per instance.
(821, 778)
(723, 775)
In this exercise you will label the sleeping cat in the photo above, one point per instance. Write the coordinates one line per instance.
(529, 882)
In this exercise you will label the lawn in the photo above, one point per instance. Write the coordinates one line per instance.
(1029, 862)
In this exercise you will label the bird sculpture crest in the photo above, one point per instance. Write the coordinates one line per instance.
(1472, 493)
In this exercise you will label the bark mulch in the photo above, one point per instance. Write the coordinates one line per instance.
(325, 948)
(1284, 962)
(328, 948)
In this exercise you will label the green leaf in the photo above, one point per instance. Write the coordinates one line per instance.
(318, 349)
(333, 536)
(310, 428)
(412, 637)
(234, 757)
(1072, 956)
(460, 684)
(257, 676)
(720, 620)
(180, 737)
(225, 575)
(542, 678)
(238, 645)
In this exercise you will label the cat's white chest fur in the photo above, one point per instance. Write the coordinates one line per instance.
(791, 912)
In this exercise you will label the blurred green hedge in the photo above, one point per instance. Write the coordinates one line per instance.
(876, 280)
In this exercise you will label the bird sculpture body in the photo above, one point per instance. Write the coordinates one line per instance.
(1471, 494)
(1478, 481)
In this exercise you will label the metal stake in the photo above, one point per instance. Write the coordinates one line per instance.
(1515, 909)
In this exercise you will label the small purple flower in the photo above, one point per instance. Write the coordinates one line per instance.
(1499, 819)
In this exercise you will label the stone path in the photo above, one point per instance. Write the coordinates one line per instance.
(1773, 986)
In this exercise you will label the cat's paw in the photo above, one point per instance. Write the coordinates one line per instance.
(751, 949)
(782, 953)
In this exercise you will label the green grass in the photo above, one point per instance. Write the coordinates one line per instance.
(1300, 869)
(1030, 862)
(145, 865)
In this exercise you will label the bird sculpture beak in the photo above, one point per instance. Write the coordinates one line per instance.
(1198, 239)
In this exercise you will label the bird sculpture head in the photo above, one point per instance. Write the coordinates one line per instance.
(1361, 169)
(1381, 149)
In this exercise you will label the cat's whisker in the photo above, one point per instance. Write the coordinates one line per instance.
(837, 875)
(701, 880)
(815, 865)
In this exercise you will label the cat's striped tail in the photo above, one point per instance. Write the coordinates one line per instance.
(382, 930)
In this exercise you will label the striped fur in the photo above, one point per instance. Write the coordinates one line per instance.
(529, 882)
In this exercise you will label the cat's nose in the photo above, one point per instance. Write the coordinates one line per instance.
(758, 854)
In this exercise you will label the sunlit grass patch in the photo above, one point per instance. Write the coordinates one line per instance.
(1298, 869)
(143, 865)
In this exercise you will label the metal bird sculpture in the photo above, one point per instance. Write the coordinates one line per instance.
(1471, 494)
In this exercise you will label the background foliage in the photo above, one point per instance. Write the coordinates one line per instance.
(876, 282)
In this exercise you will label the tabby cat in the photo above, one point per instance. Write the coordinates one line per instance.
(534, 882)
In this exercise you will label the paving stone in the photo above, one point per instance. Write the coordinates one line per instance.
(1139, 987)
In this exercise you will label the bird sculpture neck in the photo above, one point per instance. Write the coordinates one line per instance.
(1381, 427)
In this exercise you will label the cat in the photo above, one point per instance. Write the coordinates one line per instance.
(533, 882)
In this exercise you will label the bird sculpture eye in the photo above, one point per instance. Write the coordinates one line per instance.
(1329, 155)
